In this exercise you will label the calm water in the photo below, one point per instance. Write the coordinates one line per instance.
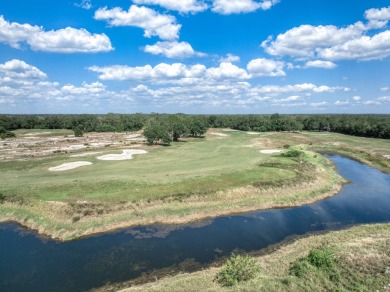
(30, 263)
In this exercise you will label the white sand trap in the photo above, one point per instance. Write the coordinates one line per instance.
(270, 151)
(219, 134)
(126, 155)
(230, 130)
(253, 133)
(86, 154)
(36, 134)
(70, 165)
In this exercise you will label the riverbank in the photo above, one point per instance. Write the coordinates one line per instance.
(361, 257)
(197, 179)
(315, 180)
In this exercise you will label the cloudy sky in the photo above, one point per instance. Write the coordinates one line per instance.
(195, 56)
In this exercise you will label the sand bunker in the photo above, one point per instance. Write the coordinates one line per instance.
(86, 154)
(270, 151)
(253, 133)
(36, 134)
(126, 155)
(230, 130)
(70, 165)
(219, 134)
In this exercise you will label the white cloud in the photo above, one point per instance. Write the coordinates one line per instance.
(293, 98)
(177, 50)
(371, 102)
(363, 48)
(67, 40)
(356, 98)
(153, 23)
(19, 70)
(241, 6)
(85, 4)
(227, 70)
(384, 98)
(318, 104)
(86, 88)
(330, 42)
(162, 86)
(305, 40)
(174, 73)
(385, 88)
(321, 64)
(230, 58)
(307, 88)
(377, 17)
(265, 67)
(183, 6)
(339, 102)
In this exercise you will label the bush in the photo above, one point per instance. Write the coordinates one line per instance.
(321, 259)
(292, 153)
(6, 134)
(237, 269)
(78, 132)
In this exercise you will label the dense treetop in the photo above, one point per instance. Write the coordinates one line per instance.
(166, 127)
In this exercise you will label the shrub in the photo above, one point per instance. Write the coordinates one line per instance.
(237, 269)
(321, 259)
(6, 134)
(78, 132)
(292, 153)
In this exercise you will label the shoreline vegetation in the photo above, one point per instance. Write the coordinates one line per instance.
(272, 181)
(354, 259)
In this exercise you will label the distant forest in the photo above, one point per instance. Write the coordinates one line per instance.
(376, 126)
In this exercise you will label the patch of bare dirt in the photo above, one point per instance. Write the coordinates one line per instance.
(30, 146)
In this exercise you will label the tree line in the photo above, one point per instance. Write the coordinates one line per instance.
(170, 127)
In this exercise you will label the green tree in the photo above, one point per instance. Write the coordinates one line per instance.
(78, 132)
(156, 131)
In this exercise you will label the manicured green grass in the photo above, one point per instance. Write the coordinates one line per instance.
(195, 166)
(190, 180)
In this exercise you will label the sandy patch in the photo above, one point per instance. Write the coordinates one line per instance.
(386, 156)
(126, 155)
(70, 165)
(133, 136)
(253, 133)
(270, 151)
(37, 134)
(219, 134)
(230, 130)
(86, 154)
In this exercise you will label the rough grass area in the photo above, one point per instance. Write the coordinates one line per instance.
(357, 259)
(190, 180)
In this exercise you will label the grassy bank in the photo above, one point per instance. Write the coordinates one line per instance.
(357, 259)
(221, 174)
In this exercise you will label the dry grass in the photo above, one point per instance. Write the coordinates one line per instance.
(362, 255)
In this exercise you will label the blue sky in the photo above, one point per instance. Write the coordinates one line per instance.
(195, 56)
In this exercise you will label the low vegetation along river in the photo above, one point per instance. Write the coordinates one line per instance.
(32, 263)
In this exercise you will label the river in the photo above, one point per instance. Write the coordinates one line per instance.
(29, 262)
